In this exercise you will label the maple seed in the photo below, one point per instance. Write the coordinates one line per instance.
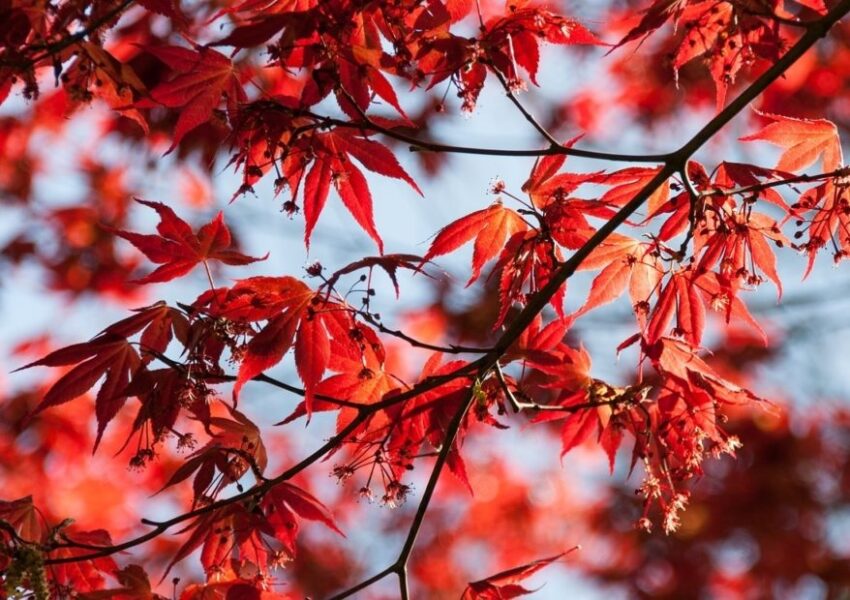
(315, 269)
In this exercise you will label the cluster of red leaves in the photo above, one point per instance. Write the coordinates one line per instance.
(712, 234)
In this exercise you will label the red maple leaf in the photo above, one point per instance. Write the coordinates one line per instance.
(803, 141)
(178, 249)
(253, 533)
(107, 355)
(234, 447)
(203, 77)
(295, 315)
(333, 165)
(505, 584)
(83, 575)
(489, 227)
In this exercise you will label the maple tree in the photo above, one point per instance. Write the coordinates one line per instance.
(308, 101)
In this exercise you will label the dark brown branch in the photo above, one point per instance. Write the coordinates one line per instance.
(420, 145)
(365, 583)
(514, 402)
(677, 161)
(420, 388)
(694, 201)
(262, 377)
(399, 567)
(625, 398)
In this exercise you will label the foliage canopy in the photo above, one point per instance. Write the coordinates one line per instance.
(311, 100)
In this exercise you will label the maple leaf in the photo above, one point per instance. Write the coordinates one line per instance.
(676, 358)
(358, 363)
(739, 243)
(654, 17)
(295, 316)
(168, 8)
(373, 155)
(731, 175)
(107, 355)
(232, 589)
(427, 418)
(728, 35)
(157, 322)
(118, 81)
(290, 315)
(625, 183)
(527, 262)
(179, 250)
(823, 209)
(803, 141)
(624, 262)
(514, 40)
(333, 165)
(306, 61)
(234, 447)
(231, 531)
(22, 516)
(83, 575)
(679, 297)
(299, 501)
(721, 295)
(489, 227)
(545, 184)
(505, 584)
(540, 345)
(135, 585)
(203, 77)
(819, 6)
(247, 533)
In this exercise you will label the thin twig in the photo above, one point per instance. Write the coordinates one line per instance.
(527, 115)
(758, 187)
(397, 333)
(417, 145)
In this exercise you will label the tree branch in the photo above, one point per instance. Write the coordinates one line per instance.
(417, 145)
(258, 490)
(397, 333)
(399, 567)
(527, 115)
(52, 48)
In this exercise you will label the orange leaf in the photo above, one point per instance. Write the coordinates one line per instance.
(804, 142)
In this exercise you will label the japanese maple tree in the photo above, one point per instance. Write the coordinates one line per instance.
(699, 146)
